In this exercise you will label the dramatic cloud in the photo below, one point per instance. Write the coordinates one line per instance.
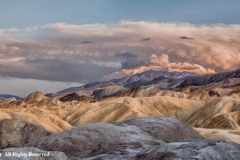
(83, 53)
(161, 63)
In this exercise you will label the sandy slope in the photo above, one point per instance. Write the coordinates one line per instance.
(204, 112)
(123, 108)
(221, 112)
(65, 115)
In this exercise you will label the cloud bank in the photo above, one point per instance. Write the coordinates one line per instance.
(83, 53)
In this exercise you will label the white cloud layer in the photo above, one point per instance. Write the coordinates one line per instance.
(83, 53)
(161, 63)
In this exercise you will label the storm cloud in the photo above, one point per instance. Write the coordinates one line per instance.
(83, 53)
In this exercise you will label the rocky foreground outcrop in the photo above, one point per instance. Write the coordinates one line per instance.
(97, 138)
(167, 129)
(16, 132)
(129, 138)
(183, 150)
(139, 138)
(144, 138)
(195, 149)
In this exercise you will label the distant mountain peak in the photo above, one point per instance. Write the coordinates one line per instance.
(35, 96)
(10, 96)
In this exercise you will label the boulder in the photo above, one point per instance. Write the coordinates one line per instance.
(97, 138)
(16, 132)
(168, 129)
(183, 150)
(195, 149)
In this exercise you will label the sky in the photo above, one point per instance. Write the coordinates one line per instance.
(50, 45)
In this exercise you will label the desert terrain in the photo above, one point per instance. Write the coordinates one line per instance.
(151, 115)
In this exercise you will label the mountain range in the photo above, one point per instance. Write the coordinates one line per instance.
(10, 96)
(146, 78)
(155, 81)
